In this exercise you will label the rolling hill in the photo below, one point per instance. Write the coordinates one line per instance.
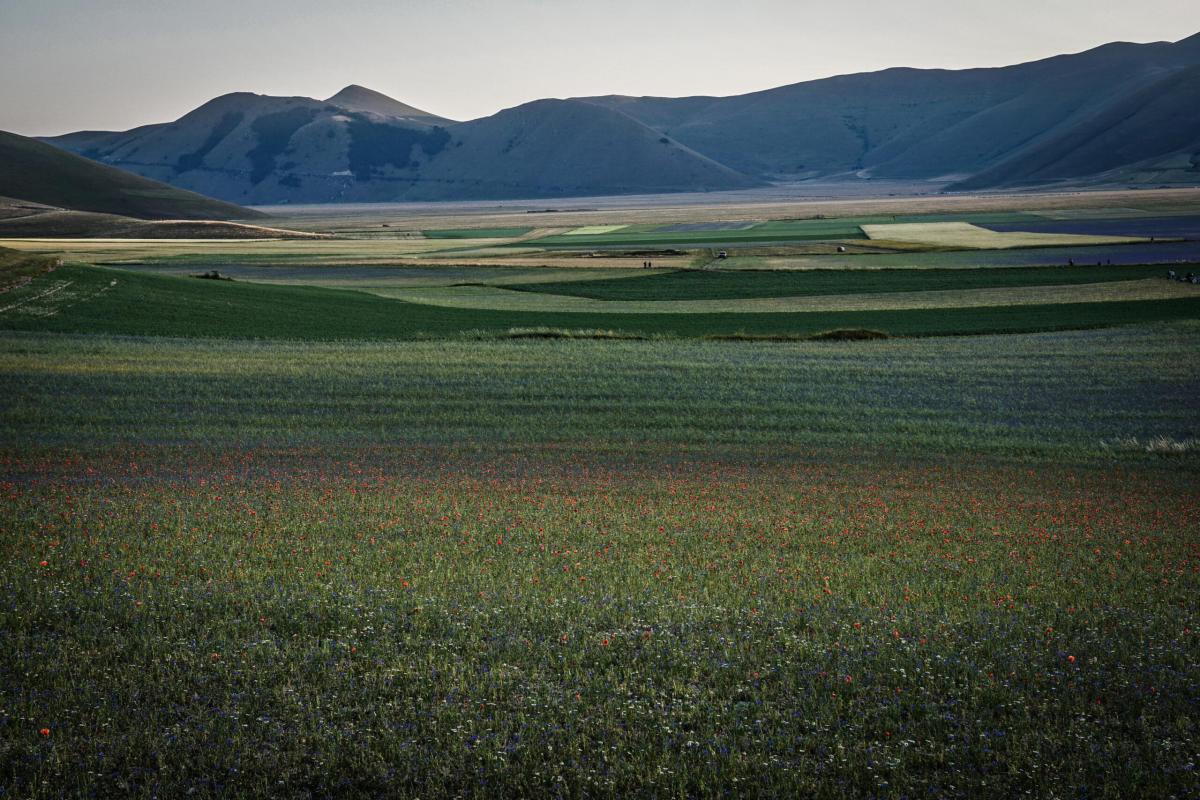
(21, 219)
(1117, 113)
(33, 171)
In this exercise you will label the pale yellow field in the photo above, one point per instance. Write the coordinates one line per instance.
(331, 218)
(587, 230)
(483, 252)
(966, 235)
(330, 252)
(383, 281)
(496, 298)
(318, 250)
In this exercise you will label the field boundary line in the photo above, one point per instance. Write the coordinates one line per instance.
(41, 295)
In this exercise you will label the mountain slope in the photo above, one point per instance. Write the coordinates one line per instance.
(252, 148)
(262, 150)
(1161, 120)
(564, 148)
(32, 170)
(907, 123)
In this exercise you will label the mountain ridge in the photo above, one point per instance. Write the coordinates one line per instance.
(979, 128)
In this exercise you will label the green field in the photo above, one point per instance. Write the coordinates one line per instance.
(324, 530)
(1062, 394)
(500, 298)
(476, 233)
(83, 299)
(720, 285)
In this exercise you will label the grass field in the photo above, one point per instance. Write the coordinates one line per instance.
(942, 567)
(498, 298)
(83, 299)
(1057, 394)
(724, 285)
(476, 233)
(291, 536)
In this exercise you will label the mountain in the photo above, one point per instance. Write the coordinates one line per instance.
(936, 124)
(1156, 122)
(1119, 113)
(566, 148)
(360, 98)
(258, 149)
(33, 171)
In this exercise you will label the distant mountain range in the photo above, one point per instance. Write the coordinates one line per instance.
(1120, 113)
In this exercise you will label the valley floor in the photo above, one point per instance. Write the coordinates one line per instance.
(290, 535)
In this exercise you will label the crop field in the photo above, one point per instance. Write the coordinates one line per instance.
(966, 235)
(602, 236)
(271, 250)
(1145, 227)
(391, 515)
(873, 568)
(380, 278)
(1066, 396)
(727, 285)
(500, 298)
(748, 206)
(1164, 234)
(85, 299)
(476, 233)
(1166, 253)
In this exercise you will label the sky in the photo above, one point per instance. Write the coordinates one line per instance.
(115, 64)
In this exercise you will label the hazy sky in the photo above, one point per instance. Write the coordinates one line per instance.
(114, 64)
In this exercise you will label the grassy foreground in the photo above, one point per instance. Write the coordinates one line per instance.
(409, 623)
(579, 568)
